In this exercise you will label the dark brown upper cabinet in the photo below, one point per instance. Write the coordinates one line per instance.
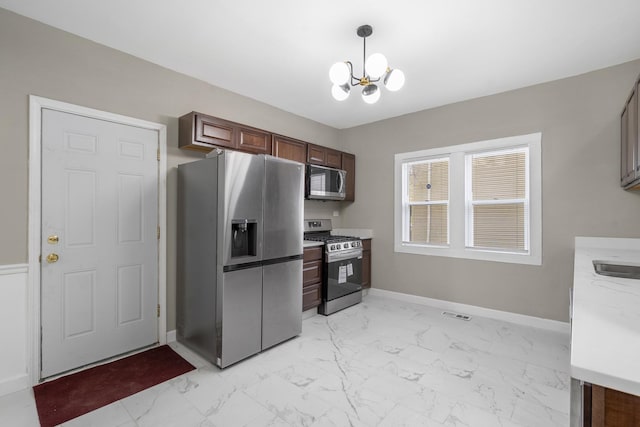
(204, 133)
(319, 155)
(630, 142)
(201, 132)
(289, 148)
(349, 165)
(254, 140)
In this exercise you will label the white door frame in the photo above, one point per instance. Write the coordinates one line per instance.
(36, 104)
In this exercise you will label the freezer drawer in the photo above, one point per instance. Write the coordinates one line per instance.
(281, 302)
(240, 315)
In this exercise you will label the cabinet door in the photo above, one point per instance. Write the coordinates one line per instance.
(632, 136)
(287, 148)
(636, 142)
(624, 141)
(349, 165)
(253, 140)
(316, 154)
(611, 407)
(333, 158)
(210, 130)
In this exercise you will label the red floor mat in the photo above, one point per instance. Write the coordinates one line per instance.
(76, 394)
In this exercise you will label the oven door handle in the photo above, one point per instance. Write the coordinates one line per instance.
(344, 255)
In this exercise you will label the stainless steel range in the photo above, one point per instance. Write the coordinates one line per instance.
(341, 266)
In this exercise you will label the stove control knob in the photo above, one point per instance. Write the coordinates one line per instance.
(338, 246)
(332, 247)
(346, 246)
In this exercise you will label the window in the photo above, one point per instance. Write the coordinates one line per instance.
(480, 201)
(427, 195)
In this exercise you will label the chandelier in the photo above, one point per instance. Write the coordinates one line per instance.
(374, 69)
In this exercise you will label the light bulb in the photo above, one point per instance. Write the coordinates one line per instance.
(340, 93)
(339, 73)
(376, 65)
(394, 80)
(370, 94)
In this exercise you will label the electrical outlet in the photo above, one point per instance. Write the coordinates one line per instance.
(336, 213)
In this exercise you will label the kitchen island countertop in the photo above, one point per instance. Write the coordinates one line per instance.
(605, 335)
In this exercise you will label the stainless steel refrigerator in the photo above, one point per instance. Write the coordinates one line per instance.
(239, 260)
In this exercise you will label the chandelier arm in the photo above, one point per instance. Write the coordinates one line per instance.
(353, 78)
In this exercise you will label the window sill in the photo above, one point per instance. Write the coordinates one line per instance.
(475, 254)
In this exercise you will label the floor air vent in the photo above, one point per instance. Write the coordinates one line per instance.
(456, 315)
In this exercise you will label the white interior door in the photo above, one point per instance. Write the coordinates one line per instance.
(99, 268)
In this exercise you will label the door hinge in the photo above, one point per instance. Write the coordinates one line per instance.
(158, 232)
(40, 258)
(158, 153)
(158, 310)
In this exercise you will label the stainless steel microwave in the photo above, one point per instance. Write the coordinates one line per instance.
(325, 183)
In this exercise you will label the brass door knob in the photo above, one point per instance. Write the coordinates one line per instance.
(51, 258)
(52, 240)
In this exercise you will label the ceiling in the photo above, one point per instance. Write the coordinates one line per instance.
(279, 51)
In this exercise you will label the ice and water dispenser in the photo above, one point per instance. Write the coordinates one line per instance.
(244, 233)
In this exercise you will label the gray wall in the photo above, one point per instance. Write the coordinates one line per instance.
(579, 121)
(578, 118)
(37, 59)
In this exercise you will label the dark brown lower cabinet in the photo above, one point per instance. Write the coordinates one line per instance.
(366, 263)
(312, 278)
(606, 407)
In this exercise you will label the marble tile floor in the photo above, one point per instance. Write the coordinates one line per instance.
(380, 363)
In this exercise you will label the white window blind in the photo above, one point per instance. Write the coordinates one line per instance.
(426, 201)
(497, 200)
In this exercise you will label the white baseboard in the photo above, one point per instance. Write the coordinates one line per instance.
(520, 319)
(171, 336)
(309, 313)
(13, 384)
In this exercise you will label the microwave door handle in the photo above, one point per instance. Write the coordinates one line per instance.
(341, 187)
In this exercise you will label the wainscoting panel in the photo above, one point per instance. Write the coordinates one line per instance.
(13, 328)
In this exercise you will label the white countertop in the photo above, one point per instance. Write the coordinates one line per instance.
(310, 244)
(605, 335)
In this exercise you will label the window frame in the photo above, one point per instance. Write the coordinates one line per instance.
(406, 204)
(470, 203)
(457, 208)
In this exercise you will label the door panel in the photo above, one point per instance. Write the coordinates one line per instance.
(240, 298)
(283, 208)
(100, 197)
(241, 175)
(281, 302)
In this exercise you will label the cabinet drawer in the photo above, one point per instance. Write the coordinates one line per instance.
(313, 253)
(311, 296)
(311, 272)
